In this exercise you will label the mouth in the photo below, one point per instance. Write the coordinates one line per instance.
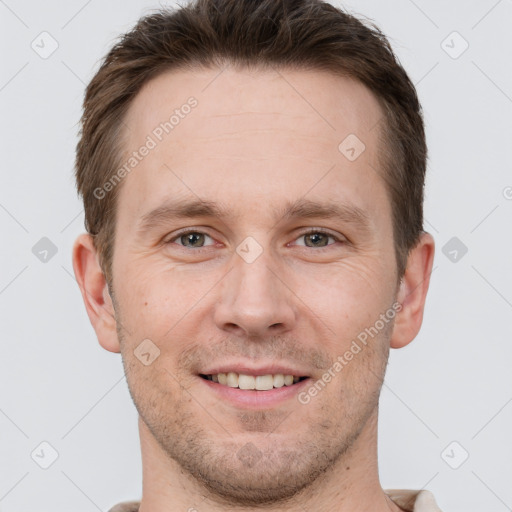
(270, 385)
(249, 382)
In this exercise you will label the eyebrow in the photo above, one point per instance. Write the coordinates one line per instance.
(298, 209)
(347, 213)
(181, 209)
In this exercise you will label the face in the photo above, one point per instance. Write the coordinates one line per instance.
(248, 243)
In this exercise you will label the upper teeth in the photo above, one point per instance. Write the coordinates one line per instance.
(260, 382)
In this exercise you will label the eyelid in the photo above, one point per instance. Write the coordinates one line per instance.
(184, 232)
(311, 231)
(308, 231)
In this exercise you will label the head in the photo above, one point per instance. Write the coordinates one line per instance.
(252, 176)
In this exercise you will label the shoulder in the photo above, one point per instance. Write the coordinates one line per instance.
(126, 506)
(414, 501)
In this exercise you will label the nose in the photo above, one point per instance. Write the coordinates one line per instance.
(254, 300)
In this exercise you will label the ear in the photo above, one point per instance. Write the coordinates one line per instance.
(95, 293)
(413, 291)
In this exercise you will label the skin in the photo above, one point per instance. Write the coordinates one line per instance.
(254, 141)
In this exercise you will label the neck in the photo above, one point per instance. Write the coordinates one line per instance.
(352, 484)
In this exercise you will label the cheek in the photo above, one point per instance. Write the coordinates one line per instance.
(347, 296)
(152, 387)
(153, 298)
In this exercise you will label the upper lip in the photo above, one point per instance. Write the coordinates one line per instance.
(244, 368)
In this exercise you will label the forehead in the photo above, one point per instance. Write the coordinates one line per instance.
(242, 136)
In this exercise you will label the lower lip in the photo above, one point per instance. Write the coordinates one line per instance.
(255, 399)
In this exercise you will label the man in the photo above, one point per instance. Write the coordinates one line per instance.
(252, 175)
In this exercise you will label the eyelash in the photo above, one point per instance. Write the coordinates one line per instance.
(310, 232)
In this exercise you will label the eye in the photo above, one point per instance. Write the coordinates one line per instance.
(191, 239)
(317, 238)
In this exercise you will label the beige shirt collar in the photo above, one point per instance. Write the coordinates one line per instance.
(413, 501)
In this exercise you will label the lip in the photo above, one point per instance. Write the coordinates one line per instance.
(254, 399)
(270, 369)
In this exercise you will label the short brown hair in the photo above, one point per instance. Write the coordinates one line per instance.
(299, 34)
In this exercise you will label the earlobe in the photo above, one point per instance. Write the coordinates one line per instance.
(95, 293)
(413, 291)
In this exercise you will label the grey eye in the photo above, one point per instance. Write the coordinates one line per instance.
(316, 239)
(192, 239)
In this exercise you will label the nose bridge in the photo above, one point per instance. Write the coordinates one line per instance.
(256, 281)
(252, 298)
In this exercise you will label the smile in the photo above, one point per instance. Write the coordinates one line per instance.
(253, 382)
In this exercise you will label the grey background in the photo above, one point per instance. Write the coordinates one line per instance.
(452, 384)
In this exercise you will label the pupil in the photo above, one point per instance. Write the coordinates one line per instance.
(317, 237)
(195, 239)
